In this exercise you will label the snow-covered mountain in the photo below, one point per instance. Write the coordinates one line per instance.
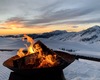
(90, 35)
(43, 35)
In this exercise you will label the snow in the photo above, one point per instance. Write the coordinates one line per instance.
(4, 72)
(78, 70)
(90, 35)
(82, 70)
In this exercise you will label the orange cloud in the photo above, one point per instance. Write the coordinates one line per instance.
(17, 25)
(11, 25)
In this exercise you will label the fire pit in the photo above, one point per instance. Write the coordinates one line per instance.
(51, 73)
(43, 64)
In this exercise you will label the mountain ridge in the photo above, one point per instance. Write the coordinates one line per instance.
(90, 35)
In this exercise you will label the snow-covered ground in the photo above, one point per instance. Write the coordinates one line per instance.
(5, 72)
(78, 70)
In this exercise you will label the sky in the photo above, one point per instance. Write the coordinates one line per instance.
(38, 16)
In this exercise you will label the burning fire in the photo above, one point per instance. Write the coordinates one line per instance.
(20, 52)
(30, 50)
(31, 41)
(43, 56)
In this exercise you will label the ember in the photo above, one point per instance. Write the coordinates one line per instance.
(37, 56)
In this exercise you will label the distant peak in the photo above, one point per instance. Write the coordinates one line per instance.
(96, 26)
(59, 31)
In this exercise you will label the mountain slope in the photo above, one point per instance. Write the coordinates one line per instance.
(90, 35)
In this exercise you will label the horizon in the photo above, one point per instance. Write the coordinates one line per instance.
(46, 32)
(48, 15)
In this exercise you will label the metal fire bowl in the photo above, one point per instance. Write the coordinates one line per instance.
(67, 59)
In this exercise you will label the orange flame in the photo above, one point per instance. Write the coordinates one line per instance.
(44, 60)
(48, 60)
(30, 50)
(31, 41)
(20, 52)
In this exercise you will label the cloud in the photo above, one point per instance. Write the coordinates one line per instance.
(75, 26)
(17, 19)
(4, 28)
(75, 22)
(49, 12)
(13, 22)
(93, 20)
(20, 22)
(60, 15)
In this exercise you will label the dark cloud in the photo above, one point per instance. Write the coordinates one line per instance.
(16, 19)
(75, 26)
(86, 21)
(61, 15)
(75, 22)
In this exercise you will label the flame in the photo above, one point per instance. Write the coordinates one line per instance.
(31, 41)
(20, 52)
(48, 60)
(30, 50)
(44, 60)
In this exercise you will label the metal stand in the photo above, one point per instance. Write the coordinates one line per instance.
(45, 76)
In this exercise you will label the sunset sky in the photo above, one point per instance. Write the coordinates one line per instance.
(38, 16)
